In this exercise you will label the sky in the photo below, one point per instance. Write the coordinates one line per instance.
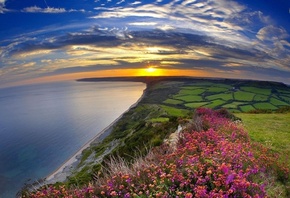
(51, 40)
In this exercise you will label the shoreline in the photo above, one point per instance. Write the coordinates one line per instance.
(65, 169)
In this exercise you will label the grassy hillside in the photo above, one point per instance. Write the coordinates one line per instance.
(168, 103)
(272, 130)
(213, 158)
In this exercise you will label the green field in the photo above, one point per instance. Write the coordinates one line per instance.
(172, 101)
(171, 111)
(277, 102)
(224, 96)
(257, 90)
(260, 98)
(217, 89)
(195, 104)
(215, 103)
(265, 105)
(191, 91)
(246, 108)
(190, 98)
(270, 129)
(243, 96)
(233, 105)
(237, 97)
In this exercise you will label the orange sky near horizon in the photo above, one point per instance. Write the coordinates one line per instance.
(149, 71)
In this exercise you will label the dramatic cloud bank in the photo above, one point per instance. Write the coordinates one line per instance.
(222, 38)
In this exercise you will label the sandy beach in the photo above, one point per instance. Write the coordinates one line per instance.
(61, 173)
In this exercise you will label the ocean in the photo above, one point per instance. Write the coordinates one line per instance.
(42, 126)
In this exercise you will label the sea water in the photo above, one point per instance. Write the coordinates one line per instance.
(41, 126)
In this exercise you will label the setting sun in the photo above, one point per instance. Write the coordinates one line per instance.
(151, 69)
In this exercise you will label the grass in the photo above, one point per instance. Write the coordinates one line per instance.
(246, 108)
(243, 96)
(173, 101)
(261, 98)
(223, 96)
(154, 120)
(216, 89)
(190, 98)
(257, 90)
(171, 111)
(213, 158)
(286, 98)
(165, 103)
(271, 130)
(215, 103)
(195, 104)
(233, 105)
(277, 102)
(265, 105)
(191, 91)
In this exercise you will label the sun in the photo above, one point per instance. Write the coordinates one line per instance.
(151, 69)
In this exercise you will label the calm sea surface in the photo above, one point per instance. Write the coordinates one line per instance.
(41, 126)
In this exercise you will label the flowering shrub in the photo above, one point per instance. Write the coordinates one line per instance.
(217, 162)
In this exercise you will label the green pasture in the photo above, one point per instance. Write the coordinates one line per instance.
(234, 97)
(189, 98)
(233, 105)
(246, 108)
(257, 90)
(259, 98)
(244, 96)
(172, 111)
(264, 105)
(270, 129)
(173, 101)
(215, 103)
(216, 89)
(277, 102)
(223, 96)
(195, 104)
(190, 91)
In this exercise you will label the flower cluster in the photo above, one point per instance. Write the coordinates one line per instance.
(217, 162)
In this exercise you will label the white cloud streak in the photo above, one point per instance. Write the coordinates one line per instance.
(48, 10)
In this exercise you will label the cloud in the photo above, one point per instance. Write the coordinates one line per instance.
(271, 33)
(143, 23)
(122, 1)
(136, 3)
(180, 34)
(2, 7)
(49, 10)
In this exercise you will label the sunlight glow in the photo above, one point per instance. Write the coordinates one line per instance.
(151, 69)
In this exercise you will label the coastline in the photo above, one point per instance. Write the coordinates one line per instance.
(66, 169)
